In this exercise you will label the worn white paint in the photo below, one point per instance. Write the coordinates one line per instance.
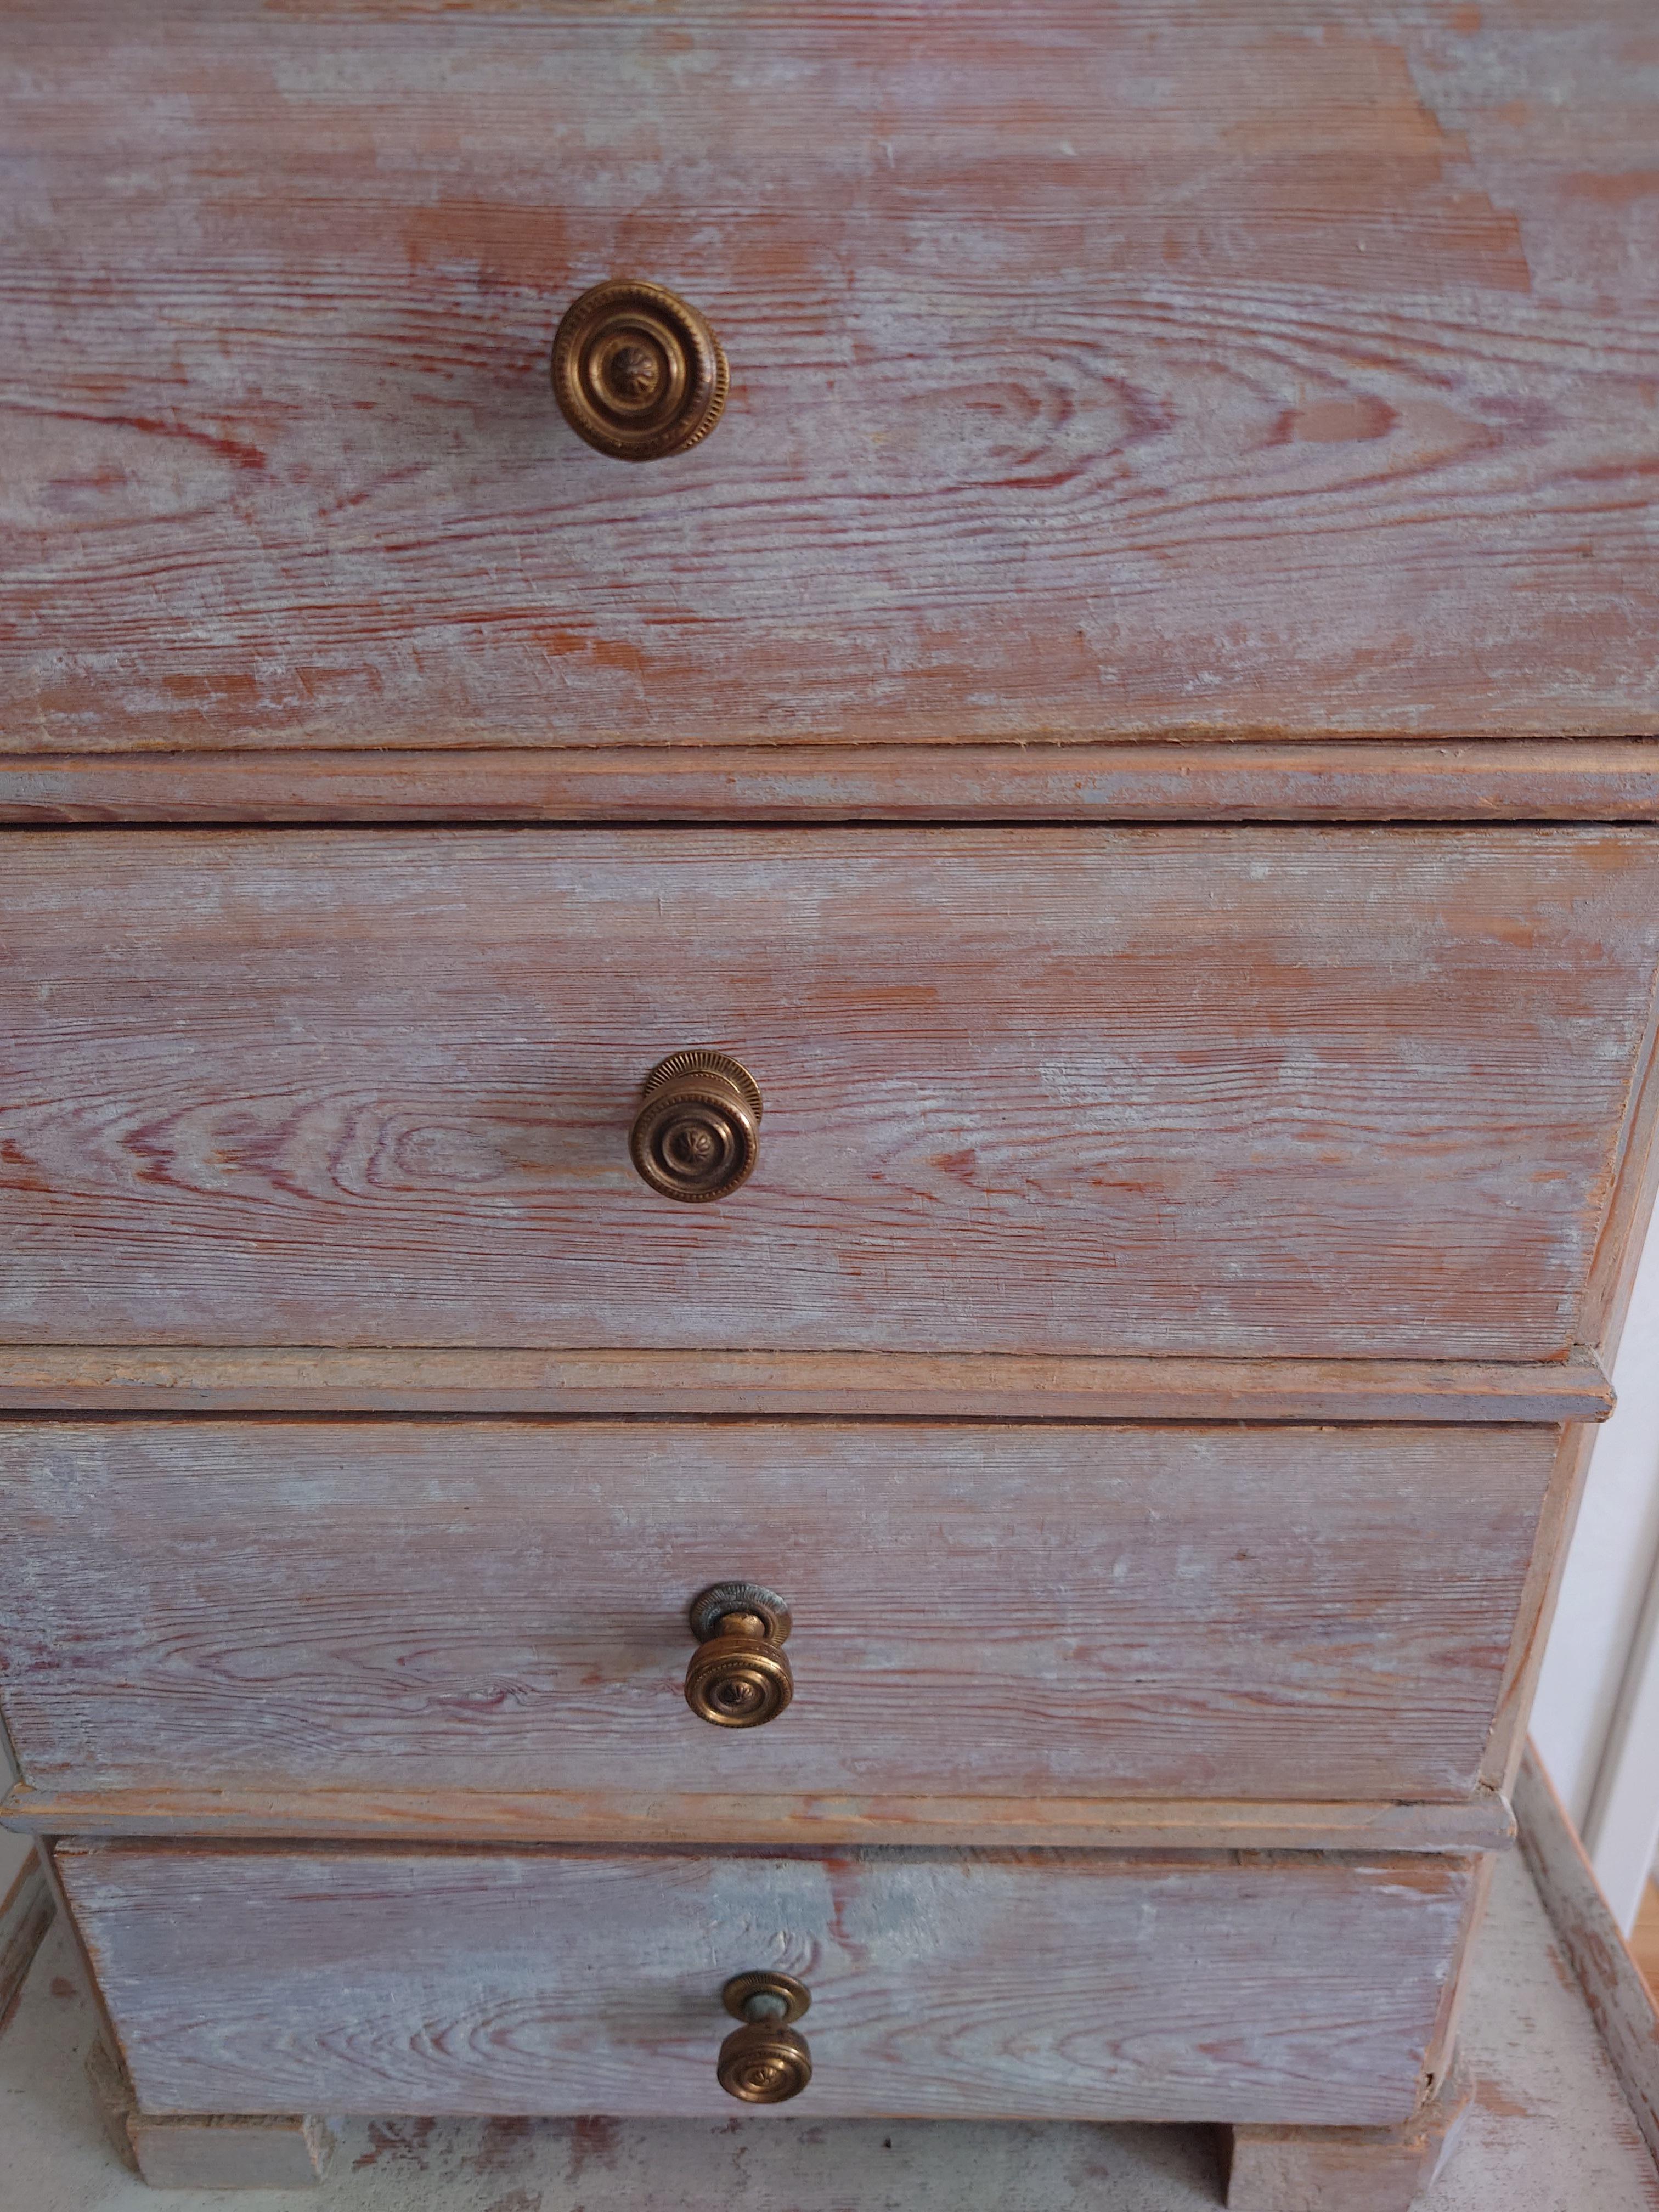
(1074, 1611)
(1308, 1988)
(1095, 368)
(1303, 1091)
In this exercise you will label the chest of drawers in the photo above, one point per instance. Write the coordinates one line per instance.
(1049, 714)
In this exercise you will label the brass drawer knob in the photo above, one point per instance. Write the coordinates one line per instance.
(738, 1676)
(638, 373)
(696, 1135)
(764, 2062)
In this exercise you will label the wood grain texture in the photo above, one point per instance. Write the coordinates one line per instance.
(946, 1386)
(424, 1607)
(1480, 1823)
(26, 1913)
(1240, 780)
(1316, 1092)
(1624, 1233)
(1623, 2007)
(1050, 1984)
(1097, 368)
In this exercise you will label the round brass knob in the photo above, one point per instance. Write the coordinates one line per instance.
(638, 373)
(738, 1676)
(696, 1135)
(764, 2062)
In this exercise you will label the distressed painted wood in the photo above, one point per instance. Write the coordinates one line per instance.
(1240, 780)
(1620, 2001)
(209, 1379)
(1613, 1273)
(1276, 2169)
(424, 1606)
(1098, 369)
(745, 1818)
(111, 2099)
(1536, 1614)
(1048, 1985)
(1551, 2134)
(26, 1913)
(1315, 1092)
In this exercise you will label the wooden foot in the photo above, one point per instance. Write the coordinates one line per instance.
(25, 1913)
(1347, 2169)
(215, 2151)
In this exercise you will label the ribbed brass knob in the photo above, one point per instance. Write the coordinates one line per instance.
(638, 373)
(696, 1135)
(764, 2062)
(738, 1676)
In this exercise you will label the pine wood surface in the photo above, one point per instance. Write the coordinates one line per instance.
(1096, 369)
(1048, 1985)
(1306, 779)
(745, 1818)
(1316, 1092)
(26, 1913)
(427, 1606)
(977, 1385)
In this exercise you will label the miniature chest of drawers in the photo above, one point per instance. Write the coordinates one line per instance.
(830, 922)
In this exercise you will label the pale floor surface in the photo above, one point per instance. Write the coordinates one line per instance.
(1550, 2133)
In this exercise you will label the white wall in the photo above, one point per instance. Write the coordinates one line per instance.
(1596, 1719)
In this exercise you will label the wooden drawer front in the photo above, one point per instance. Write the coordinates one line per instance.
(1095, 368)
(1249, 1613)
(1047, 1984)
(1245, 1091)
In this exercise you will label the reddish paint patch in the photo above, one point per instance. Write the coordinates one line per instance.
(1618, 188)
(17, 1170)
(1491, 2099)
(61, 1987)
(501, 2144)
(402, 2141)
(592, 2141)
(959, 1166)
(1467, 19)
(227, 689)
(1562, 1971)
(1336, 422)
